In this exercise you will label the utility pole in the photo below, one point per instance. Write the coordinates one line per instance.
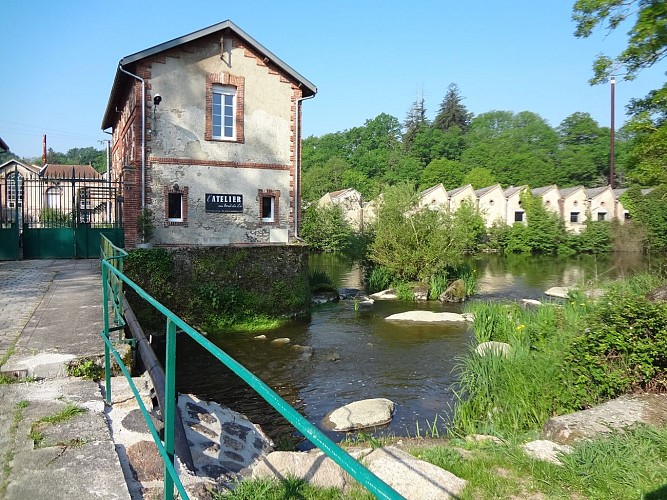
(613, 134)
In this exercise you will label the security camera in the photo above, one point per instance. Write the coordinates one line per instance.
(157, 99)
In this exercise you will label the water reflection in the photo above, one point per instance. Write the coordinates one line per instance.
(357, 354)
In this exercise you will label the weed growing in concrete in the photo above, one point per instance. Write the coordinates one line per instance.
(19, 409)
(87, 369)
(36, 431)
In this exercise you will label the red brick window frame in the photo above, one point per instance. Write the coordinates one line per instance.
(175, 205)
(269, 207)
(225, 79)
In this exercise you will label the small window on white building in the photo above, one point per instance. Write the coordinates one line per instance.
(518, 216)
(602, 216)
(224, 112)
(574, 217)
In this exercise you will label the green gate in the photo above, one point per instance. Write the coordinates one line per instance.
(63, 218)
(9, 217)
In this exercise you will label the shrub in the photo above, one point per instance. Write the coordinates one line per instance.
(325, 228)
(624, 348)
(379, 278)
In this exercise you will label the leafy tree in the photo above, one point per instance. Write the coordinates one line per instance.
(468, 226)
(321, 179)
(325, 228)
(79, 156)
(650, 210)
(452, 113)
(449, 173)
(647, 38)
(431, 143)
(412, 243)
(648, 138)
(517, 148)
(479, 177)
(583, 156)
(544, 231)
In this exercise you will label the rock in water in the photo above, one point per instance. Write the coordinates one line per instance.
(360, 414)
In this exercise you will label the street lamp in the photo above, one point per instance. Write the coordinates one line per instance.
(611, 147)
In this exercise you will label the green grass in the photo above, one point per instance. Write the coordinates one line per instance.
(631, 465)
(290, 488)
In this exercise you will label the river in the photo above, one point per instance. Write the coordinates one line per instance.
(356, 354)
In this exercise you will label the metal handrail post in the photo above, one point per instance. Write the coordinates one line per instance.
(107, 356)
(170, 403)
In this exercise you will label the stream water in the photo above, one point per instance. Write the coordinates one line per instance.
(356, 354)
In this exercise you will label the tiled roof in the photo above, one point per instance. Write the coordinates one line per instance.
(484, 190)
(52, 171)
(512, 190)
(541, 190)
(564, 193)
(458, 190)
(121, 79)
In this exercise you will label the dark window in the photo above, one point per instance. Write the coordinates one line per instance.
(518, 216)
(574, 216)
(268, 203)
(175, 208)
(602, 216)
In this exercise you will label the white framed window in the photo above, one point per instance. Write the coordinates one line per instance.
(175, 207)
(223, 112)
(14, 196)
(574, 217)
(268, 208)
(54, 198)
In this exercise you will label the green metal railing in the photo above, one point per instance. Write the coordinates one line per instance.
(113, 281)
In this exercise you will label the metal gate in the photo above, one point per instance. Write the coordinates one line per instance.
(59, 218)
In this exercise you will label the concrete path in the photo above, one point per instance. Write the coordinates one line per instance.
(50, 312)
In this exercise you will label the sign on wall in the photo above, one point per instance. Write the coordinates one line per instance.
(225, 203)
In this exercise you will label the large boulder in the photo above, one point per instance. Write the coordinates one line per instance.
(659, 294)
(411, 477)
(407, 475)
(360, 414)
(456, 292)
(614, 415)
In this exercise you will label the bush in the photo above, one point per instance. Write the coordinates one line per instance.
(379, 278)
(325, 228)
(623, 349)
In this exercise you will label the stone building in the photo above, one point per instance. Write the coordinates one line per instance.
(206, 134)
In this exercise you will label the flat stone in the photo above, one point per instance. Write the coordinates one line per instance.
(260, 337)
(314, 467)
(546, 450)
(411, 477)
(530, 303)
(558, 291)
(360, 414)
(389, 294)
(497, 348)
(281, 341)
(42, 365)
(427, 317)
(617, 414)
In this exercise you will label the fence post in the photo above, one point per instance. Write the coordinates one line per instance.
(170, 404)
(105, 312)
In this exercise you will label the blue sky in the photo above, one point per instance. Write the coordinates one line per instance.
(366, 57)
